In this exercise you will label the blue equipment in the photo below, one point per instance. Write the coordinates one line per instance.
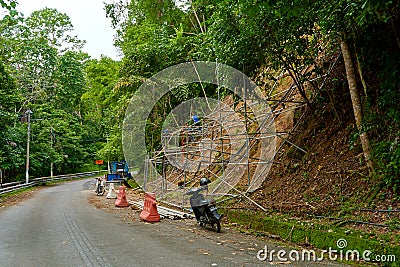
(195, 119)
(119, 171)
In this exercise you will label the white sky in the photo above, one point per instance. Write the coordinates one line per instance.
(88, 18)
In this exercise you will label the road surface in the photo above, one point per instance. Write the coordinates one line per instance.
(58, 227)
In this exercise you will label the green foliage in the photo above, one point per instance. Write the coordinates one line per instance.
(50, 78)
(387, 117)
(8, 96)
(388, 157)
(10, 138)
(71, 80)
(377, 46)
(44, 57)
(10, 6)
(245, 35)
(104, 104)
(52, 27)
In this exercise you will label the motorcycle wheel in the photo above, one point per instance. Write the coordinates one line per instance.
(216, 225)
(101, 191)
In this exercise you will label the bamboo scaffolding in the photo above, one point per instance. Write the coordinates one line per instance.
(223, 146)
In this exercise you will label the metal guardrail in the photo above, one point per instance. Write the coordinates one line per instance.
(13, 186)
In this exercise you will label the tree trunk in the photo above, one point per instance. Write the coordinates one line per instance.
(360, 72)
(355, 99)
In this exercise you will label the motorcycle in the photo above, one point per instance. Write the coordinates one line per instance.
(206, 211)
(100, 187)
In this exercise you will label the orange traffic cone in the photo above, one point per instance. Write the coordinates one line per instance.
(149, 212)
(121, 198)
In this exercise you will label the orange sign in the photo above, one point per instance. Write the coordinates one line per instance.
(99, 161)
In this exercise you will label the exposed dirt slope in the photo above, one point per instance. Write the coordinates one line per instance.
(332, 173)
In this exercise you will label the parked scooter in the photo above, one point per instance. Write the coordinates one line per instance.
(206, 211)
(100, 187)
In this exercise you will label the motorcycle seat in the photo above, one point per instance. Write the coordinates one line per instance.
(203, 202)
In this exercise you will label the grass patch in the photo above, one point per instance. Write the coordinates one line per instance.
(15, 193)
(312, 234)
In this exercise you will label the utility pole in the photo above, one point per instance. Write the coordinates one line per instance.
(28, 112)
(108, 156)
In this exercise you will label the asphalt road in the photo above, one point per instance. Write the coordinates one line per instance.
(58, 227)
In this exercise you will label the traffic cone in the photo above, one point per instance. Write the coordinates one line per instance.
(149, 212)
(111, 191)
(121, 198)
